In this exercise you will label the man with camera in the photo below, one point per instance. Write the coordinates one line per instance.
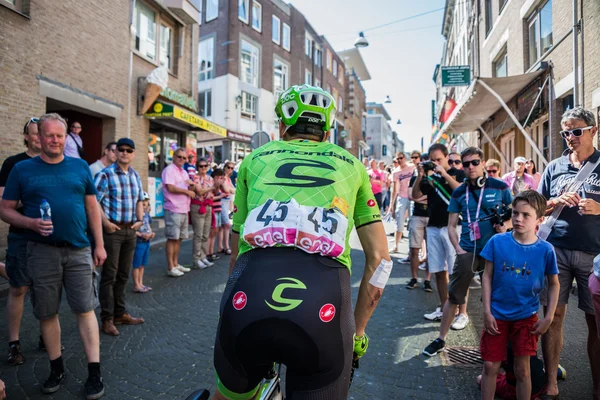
(482, 203)
(436, 179)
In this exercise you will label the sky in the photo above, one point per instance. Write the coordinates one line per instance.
(401, 57)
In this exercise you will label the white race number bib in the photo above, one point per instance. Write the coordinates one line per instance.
(312, 229)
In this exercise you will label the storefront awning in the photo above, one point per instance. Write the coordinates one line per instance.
(160, 110)
(479, 103)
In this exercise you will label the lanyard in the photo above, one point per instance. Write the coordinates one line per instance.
(478, 205)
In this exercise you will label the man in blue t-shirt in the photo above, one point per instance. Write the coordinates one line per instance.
(575, 236)
(475, 201)
(58, 251)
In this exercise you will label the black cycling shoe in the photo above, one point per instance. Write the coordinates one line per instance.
(53, 382)
(94, 387)
(427, 286)
(413, 284)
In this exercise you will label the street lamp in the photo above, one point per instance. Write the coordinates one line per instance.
(361, 41)
(387, 100)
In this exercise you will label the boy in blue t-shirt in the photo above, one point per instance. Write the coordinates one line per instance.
(142, 249)
(516, 265)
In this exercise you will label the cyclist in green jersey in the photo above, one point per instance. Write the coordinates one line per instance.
(288, 299)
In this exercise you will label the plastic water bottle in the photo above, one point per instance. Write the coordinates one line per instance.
(46, 212)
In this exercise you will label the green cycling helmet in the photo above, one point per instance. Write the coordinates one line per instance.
(306, 104)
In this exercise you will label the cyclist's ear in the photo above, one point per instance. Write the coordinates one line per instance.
(326, 136)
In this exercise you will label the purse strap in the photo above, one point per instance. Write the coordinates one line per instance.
(574, 186)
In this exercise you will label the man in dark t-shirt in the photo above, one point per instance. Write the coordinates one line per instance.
(416, 237)
(16, 265)
(438, 187)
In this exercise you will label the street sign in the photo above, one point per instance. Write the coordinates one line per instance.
(458, 75)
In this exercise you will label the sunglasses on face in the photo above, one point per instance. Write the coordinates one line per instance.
(203, 166)
(415, 157)
(400, 158)
(492, 171)
(228, 167)
(181, 157)
(457, 162)
(467, 164)
(123, 150)
(33, 120)
(575, 132)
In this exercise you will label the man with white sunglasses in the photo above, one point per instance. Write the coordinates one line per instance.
(574, 235)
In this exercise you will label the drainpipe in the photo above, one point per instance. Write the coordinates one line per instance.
(131, 38)
(575, 56)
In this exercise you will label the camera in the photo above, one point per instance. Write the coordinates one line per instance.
(428, 166)
(499, 215)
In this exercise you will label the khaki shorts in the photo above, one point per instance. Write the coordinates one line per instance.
(52, 268)
(416, 231)
(176, 225)
(464, 270)
(573, 264)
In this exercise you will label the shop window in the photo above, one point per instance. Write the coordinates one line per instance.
(166, 46)
(276, 35)
(206, 56)
(501, 64)
(249, 63)
(154, 152)
(249, 105)
(257, 16)
(171, 143)
(212, 9)
(286, 34)
(243, 10)
(280, 77)
(540, 32)
(145, 25)
(205, 103)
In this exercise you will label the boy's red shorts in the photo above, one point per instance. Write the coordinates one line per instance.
(519, 333)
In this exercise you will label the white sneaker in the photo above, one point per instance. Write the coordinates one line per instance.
(182, 268)
(199, 264)
(460, 322)
(423, 266)
(475, 283)
(207, 262)
(175, 273)
(435, 316)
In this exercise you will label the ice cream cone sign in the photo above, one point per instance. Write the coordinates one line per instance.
(155, 83)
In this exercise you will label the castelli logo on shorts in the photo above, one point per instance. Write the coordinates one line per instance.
(327, 312)
(371, 203)
(239, 300)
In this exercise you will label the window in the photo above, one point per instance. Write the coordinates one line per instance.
(243, 10)
(501, 64)
(318, 57)
(317, 82)
(308, 46)
(341, 74)
(335, 68)
(212, 9)
(280, 77)
(249, 103)
(16, 5)
(329, 89)
(206, 54)
(502, 3)
(340, 105)
(307, 77)
(166, 46)
(145, 25)
(205, 103)
(286, 34)
(329, 59)
(257, 16)
(540, 32)
(384, 149)
(276, 35)
(489, 17)
(249, 60)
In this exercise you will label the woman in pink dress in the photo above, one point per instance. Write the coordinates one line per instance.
(532, 170)
(377, 180)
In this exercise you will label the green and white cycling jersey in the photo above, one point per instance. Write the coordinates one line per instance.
(302, 194)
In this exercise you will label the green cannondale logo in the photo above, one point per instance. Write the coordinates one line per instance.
(288, 304)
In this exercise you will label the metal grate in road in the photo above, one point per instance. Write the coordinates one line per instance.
(465, 356)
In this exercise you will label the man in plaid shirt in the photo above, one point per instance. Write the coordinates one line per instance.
(120, 195)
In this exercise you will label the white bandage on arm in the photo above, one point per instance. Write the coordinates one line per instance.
(381, 274)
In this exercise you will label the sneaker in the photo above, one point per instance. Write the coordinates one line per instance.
(15, 357)
(423, 266)
(412, 284)
(561, 373)
(53, 382)
(175, 273)
(182, 268)
(435, 316)
(475, 283)
(208, 262)
(427, 286)
(434, 347)
(199, 264)
(212, 257)
(405, 260)
(94, 387)
(460, 322)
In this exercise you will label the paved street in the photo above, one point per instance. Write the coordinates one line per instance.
(171, 354)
